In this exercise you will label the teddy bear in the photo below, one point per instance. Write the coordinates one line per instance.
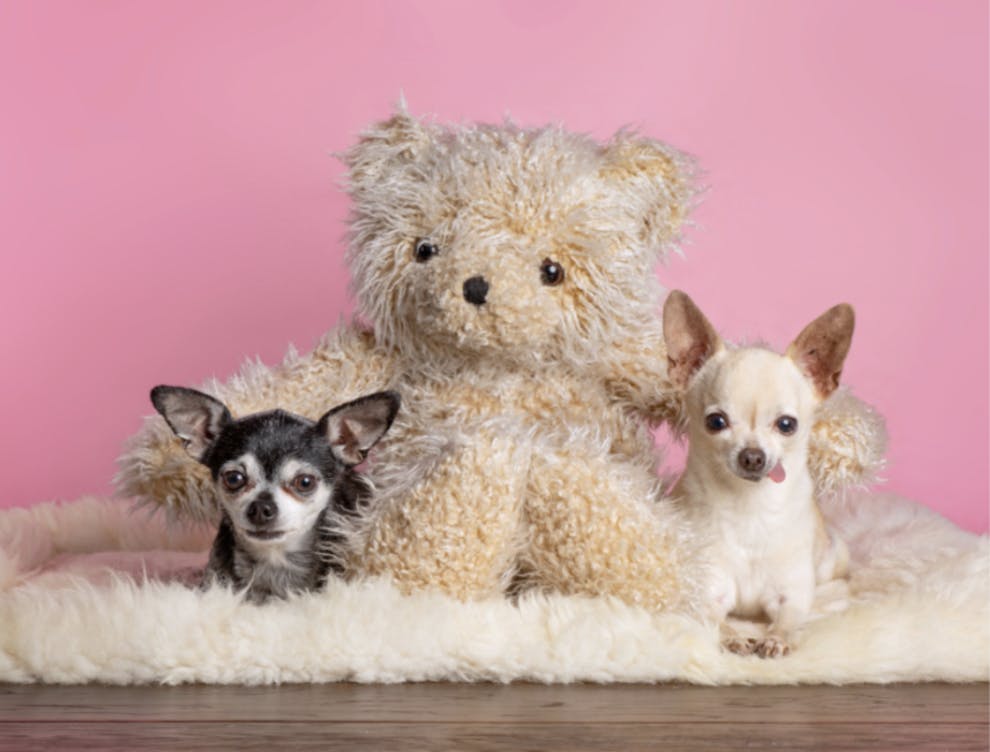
(506, 288)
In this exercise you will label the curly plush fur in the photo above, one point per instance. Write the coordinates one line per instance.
(523, 455)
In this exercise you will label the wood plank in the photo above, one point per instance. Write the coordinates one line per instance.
(26, 737)
(496, 703)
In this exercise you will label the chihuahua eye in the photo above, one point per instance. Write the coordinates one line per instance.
(786, 424)
(425, 250)
(551, 273)
(716, 422)
(233, 480)
(303, 483)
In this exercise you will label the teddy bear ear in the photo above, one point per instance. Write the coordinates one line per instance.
(655, 184)
(400, 139)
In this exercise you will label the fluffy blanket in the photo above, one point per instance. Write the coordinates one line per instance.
(93, 591)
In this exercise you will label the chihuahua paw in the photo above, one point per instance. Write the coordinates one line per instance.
(740, 645)
(772, 647)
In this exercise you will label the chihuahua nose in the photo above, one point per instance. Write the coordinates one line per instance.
(475, 290)
(262, 511)
(752, 460)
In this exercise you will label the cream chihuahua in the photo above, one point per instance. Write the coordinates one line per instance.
(746, 485)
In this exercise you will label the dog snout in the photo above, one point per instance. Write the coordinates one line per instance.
(752, 460)
(476, 290)
(262, 511)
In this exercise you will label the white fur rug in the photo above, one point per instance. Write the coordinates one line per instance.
(91, 591)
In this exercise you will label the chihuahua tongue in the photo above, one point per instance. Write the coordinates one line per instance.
(777, 475)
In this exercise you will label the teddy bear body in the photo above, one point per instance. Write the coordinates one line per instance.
(507, 280)
(522, 477)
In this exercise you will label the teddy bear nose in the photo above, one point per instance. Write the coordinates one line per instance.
(475, 290)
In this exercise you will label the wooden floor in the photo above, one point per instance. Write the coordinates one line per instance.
(486, 716)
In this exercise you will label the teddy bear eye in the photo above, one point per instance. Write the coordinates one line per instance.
(551, 272)
(425, 250)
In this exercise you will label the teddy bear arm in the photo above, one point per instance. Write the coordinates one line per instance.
(636, 374)
(848, 443)
(156, 470)
(346, 364)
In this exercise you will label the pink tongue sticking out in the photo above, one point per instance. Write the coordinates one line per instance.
(777, 475)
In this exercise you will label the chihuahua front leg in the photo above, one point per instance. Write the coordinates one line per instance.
(722, 594)
(787, 608)
(220, 566)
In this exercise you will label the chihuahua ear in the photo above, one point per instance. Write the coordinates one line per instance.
(196, 418)
(690, 337)
(355, 427)
(821, 348)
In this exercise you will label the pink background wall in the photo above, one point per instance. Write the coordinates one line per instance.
(168, 203)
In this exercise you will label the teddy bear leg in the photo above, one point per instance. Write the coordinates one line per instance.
(457, 529)
(595, 527)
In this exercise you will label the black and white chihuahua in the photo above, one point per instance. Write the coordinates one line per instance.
(282, 481)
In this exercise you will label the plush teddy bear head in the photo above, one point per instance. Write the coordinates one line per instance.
(494, 240)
